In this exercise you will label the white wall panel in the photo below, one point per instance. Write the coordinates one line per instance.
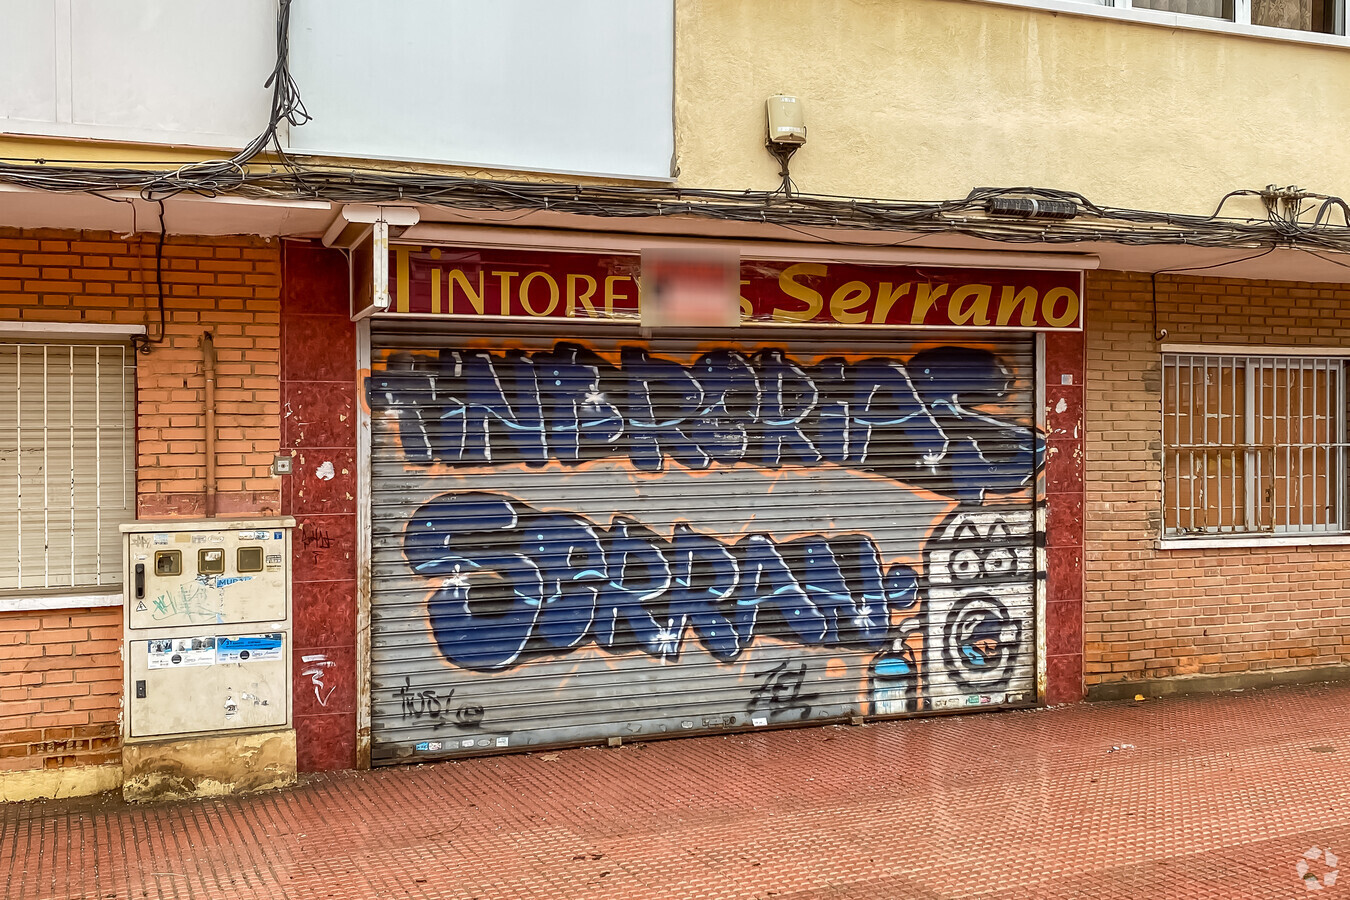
(578, 86)
(28, 60)
(166, 71)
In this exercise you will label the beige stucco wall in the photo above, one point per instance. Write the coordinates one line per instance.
(925, 99)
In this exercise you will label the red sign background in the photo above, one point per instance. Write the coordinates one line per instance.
(537, 284)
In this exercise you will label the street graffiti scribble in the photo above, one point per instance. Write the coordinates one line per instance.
(780, 690)
(915, 422)
(317, 665)
(437, 706)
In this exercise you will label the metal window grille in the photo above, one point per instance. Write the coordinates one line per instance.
(66, 463)
(1253, 444)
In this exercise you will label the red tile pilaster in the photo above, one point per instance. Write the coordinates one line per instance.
(318, 429)
(1064, 370)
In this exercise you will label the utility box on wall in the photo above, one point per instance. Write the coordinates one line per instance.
(207, 615)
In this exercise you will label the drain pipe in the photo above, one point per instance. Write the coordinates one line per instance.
(209, 370)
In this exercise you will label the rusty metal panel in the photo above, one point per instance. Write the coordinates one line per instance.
(623, 538)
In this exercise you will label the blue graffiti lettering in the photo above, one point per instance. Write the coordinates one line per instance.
(516, 581)
(917, 422)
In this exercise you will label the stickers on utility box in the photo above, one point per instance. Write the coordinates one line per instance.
(170, 653)
(177, 653)
(250, 648)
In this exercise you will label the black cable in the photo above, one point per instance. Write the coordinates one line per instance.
(783, 153)
(1217, 265)
(1329, 259)
(142, 342)
(1160, 334)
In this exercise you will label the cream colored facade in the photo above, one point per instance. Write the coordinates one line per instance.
(926, 99)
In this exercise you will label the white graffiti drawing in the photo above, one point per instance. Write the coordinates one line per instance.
(979, 590)
(316, 666)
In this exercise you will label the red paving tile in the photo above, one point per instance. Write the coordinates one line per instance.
(1220, 797)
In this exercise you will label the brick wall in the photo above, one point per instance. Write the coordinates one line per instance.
(60, 688)
(60, 671)
(1153, 613)
(228, 285)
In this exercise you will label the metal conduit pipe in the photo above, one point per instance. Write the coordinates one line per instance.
(209, 370)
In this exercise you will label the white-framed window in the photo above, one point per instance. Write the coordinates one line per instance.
(1316, 16)
(1253, 444)
(1320, 21)
(67, 464)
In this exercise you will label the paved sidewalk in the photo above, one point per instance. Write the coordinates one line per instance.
(1218, 797)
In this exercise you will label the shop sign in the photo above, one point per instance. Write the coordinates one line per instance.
(479, 283)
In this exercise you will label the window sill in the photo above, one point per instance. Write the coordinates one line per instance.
(1253, 540)
(1162, 19)
(59, 601)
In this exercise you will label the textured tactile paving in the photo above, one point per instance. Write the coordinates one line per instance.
(1216, 796)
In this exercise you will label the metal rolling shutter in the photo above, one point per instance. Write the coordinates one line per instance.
(582, 538)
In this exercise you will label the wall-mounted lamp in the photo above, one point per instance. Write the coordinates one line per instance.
(786, 133)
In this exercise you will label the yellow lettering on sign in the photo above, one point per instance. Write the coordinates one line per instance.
(970, 304)
(812, 298)
(584, 297)
(505, 279)
(747, 308)
(553, 295)
(886, 298)
(929, 295)
(1013, 298)
(1053, 296)
(402, 295)
(611, 294)
(435, 290)
(458, 277)
(436, 282)
(847, 298)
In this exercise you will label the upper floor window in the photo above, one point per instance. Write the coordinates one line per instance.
(1314, 16)
(1253, 444)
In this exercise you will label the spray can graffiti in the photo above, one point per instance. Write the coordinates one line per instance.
(980, 592)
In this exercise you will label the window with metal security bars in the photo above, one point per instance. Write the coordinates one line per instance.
(1253, 444)
(67, 414)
